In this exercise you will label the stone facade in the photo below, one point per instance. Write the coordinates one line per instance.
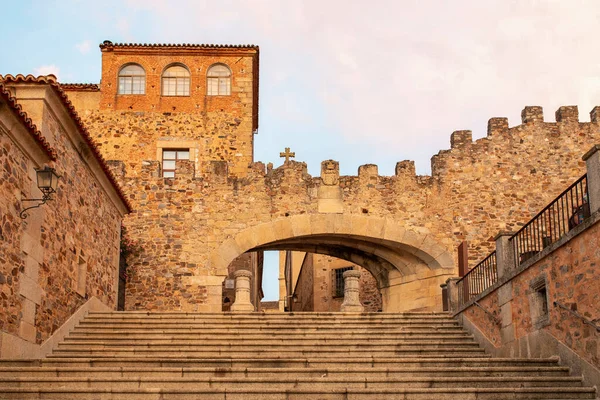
(67, 250)
(402, 228)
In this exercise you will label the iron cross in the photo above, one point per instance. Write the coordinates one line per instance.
(287, 154)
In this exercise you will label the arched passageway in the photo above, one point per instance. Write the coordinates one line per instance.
(408, 266)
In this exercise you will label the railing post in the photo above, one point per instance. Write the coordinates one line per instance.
(505, 254)
(592, 163)
(242, 291)
(351, 292)
(452, 288)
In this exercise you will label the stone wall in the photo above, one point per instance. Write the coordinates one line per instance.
(65, 251)
(304, 293)
(200, 219)
(517, 326)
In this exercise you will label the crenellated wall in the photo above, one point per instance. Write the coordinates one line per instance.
(200, 221)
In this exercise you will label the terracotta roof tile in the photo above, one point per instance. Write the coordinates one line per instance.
(27, 122)
(80, 87)
(107, 44)
(52, 82)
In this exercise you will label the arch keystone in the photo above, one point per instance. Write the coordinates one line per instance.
(322, 223)
(300, 225)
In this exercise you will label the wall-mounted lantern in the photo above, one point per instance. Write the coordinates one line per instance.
(47, 181)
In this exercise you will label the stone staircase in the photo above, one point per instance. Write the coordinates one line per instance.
(162, 356)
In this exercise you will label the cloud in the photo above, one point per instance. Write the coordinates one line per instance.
(399, 76)
(47, 70)
(84, 47)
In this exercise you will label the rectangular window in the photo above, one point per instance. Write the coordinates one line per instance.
(176, 86)
(169, 160)
(339, 281)
(219, 86)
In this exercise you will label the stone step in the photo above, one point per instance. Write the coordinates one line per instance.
(77, 336)
(83, 327)
(208, 353)
(518, 393)
(250, 322)
(296, 315)
(322, 383)
(298, 362)
(274, 344)
(169, 372)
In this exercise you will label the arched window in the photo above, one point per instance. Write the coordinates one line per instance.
(132, 80)
(176, 81)
(218, 80)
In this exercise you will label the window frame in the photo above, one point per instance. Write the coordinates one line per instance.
(338, 281)
(120, 76)
(210, 79)
(163, 159)
(176, 79)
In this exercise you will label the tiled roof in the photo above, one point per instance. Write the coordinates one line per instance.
(27, 122)
(80, 87)
(51, 81)
(107, 44)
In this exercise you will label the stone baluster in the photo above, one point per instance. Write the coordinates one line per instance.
(242, 291)
(351, 290)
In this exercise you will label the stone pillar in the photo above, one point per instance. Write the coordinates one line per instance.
(505, 254)
(242, 291)
(351, 290)
(592, 163)
(452, 289)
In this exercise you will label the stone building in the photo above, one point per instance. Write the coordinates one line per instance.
(180, 135)
(177, 124)
(57, 257)
(315, 283)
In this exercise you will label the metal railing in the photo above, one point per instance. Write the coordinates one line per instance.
(586, 321)
(568, 210)
(478, 279)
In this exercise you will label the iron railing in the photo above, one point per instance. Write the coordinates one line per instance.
(585, 320)
(568, 210)
(478, 279)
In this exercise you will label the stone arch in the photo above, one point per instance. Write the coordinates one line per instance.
(389, 251)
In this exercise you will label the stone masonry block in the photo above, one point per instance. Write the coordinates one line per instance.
(567, 114)
(283, 229)
(300, 225)
(375, 227)
(359, 224)
(532, 114)
(264, 234)
(30, 289)
(27, 331)
(405, 168)
(506, 314)
(32, 248)
(320, 223)
(595, 115)
(497, 126)
(330, 206)
(230, 249)
(505, 293)
(28, 311)
(32, 267)
(342, 224)
(246, 240)
(393, 231)
(460, 139)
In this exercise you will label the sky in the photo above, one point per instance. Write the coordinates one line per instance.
(361, 82)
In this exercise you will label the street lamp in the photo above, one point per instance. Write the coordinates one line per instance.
(47, 181)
